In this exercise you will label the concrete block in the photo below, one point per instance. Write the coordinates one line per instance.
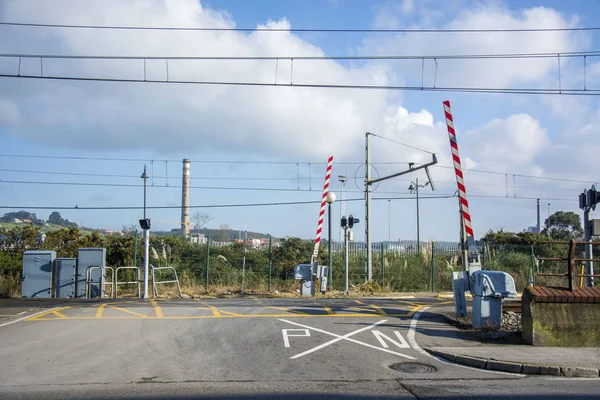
(560, 324)
(471, 361)
(579, 372)
(541, 370)
(504, 366)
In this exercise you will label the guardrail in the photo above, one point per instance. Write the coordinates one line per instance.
(101, 283)
(154, 282)
(137, 279)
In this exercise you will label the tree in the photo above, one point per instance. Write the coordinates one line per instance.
(563, 226)
(223, 233)
(56, 219)
(200, 219)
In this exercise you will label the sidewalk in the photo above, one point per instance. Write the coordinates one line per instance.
(515, 358)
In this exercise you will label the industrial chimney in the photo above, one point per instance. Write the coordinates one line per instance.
(185, 199)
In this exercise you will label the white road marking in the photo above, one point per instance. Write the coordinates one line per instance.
(345, 337)
(411, 331)
(286, 335)
(380, 337)
(27, 316)
(411, 339)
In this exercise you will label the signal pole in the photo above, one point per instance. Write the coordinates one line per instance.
(369, 263)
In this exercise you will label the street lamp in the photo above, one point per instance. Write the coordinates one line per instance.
(145, 225)
(389, 222)
(414, 187)
(342, 179)
(330, 199)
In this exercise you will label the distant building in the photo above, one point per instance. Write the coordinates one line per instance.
(197, 238)
(533, 229)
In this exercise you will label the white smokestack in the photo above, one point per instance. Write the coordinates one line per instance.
(185, 199)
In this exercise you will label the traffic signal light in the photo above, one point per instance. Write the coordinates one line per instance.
(344, 221)
(145, 223)
(583, 200)
(352, 221)
(592, 197)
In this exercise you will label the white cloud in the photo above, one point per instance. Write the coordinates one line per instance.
(512, 142)
(492, 73)
(276, 121)
(9, 114)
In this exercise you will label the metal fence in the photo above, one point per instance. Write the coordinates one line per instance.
(402, 266)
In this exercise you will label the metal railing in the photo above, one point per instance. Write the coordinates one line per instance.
(155, 282)
(571, 260)
(101, 283)
(136, 281)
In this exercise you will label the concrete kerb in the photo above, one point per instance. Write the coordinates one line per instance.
(519, 368)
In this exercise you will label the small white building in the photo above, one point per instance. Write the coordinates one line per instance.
(197, 238)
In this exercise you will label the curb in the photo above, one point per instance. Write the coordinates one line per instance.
(516, 367)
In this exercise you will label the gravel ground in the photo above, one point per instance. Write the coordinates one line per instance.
(509, 331)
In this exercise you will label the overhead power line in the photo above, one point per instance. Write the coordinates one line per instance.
(524, 91)
(570, 180)
(592, 53)
(286, 203)
(327, 30)
(400, 143)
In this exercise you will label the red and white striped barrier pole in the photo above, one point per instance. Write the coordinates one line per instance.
(322, 212)
(467, 228)
(462, 191)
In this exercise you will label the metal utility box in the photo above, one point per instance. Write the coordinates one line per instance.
(488, 289)
(493, 284)
(302, 272)
(37, 273)
(90, 257)
(595, 227)
(65, 269)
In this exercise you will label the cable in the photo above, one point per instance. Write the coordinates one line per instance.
(267, 204)
(528, 91)
(196, 161)
(168, 207)
(328, 30)
(403, 144)
(519, 175)
(277, 178)
(591, 53)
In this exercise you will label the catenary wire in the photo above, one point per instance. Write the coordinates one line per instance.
(521, 91)
(325, 30)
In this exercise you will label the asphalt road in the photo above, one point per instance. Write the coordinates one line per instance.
(248, 348)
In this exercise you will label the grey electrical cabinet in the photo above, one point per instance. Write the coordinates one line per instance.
(90, 257)
(65, 277)
(37, 273)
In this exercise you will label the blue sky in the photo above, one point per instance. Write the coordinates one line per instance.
(285, 134)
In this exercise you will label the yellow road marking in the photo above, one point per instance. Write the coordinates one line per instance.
(48, 313)
(234, 316)
(230, 313)
(157, 308)
(126, 311)
(100, 310)
(378, 309)
(369, 311)
(58, 314)
(328, 309)
(288, 310)
(359, 302)
(215, 312)
(414, 310)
